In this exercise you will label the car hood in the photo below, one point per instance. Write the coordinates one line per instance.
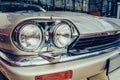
(85, 23)
(88, 23)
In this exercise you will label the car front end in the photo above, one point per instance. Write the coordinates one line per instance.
(56, 46)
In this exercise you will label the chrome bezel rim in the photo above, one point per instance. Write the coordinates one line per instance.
(17, 36)
(54, 32)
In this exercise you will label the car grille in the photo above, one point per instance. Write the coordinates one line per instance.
(95, 41)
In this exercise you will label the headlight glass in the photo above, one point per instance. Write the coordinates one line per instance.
(62, 35)
(29, 37)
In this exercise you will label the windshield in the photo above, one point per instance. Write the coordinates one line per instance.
(20, 7)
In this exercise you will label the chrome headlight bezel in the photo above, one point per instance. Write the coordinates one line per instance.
(68, 35)
(48, 29)
(20, 30)
(62, 38)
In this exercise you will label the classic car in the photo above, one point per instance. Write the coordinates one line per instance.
(56, 45)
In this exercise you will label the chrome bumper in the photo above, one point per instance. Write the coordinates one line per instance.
(47, 59)
(81, 68)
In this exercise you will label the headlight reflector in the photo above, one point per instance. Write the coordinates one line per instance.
(62, 35)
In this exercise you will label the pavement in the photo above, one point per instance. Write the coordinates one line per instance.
(101, 76)
(115, 75)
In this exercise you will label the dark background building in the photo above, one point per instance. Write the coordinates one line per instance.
(95, 7)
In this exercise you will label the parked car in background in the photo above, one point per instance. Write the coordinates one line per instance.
(40, 45)
(17, 7)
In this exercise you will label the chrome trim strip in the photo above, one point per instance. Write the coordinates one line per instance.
(38, 60)
(108, 33)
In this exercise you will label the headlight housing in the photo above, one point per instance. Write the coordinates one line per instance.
(62, 35)
(37, 36)
(28, 36)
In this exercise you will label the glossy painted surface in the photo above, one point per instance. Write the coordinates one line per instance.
(83, 66)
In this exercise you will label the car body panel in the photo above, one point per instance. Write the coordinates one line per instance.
(82, 67)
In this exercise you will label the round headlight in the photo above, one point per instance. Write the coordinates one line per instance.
(28, 37)
(62, 35)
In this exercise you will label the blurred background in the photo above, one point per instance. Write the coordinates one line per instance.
(108, 8)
